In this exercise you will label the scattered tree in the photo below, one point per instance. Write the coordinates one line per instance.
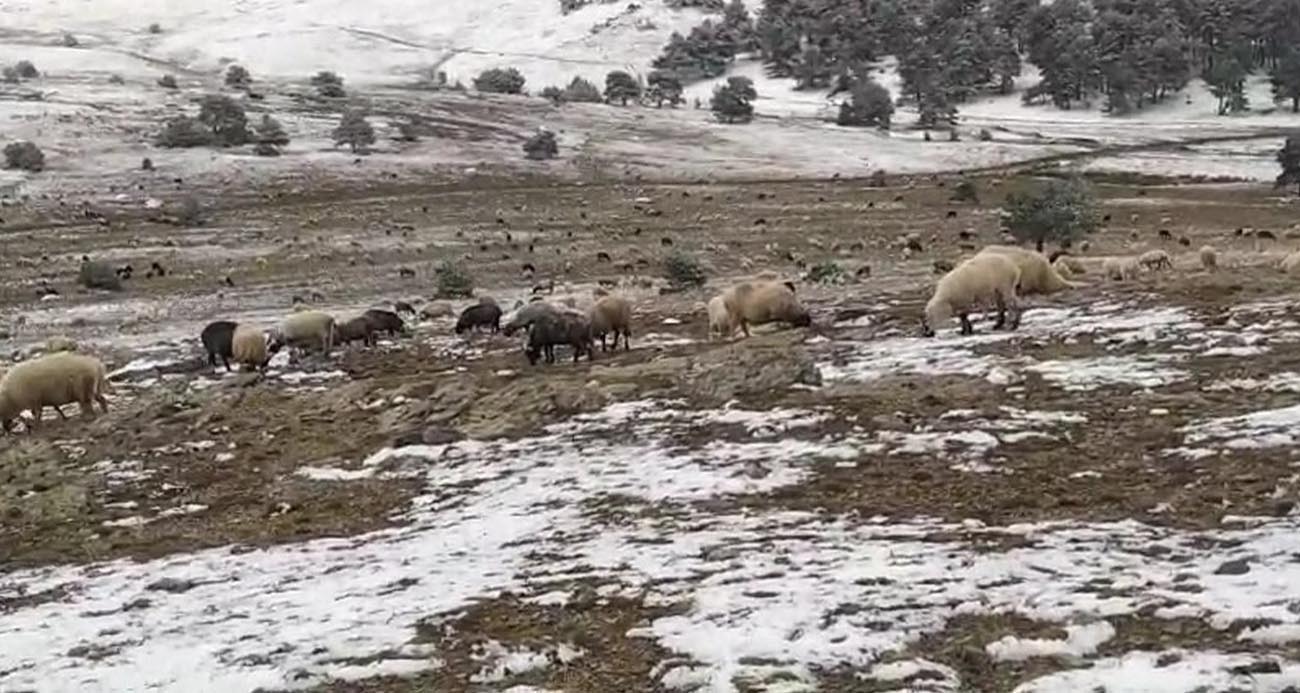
(355, 131)
(1286, 79)
(167, 82)
(621, 87)
(328, 85)
(10, 74)
(407, 132)
(116, 79)
(183, 132)
(702, 54)
(226, 119)
(732, 102)
(146, 164)
(1288, 157)
(1062, 212)
(237, 77)
(1227, 81)
(26, 70)
(683, 271)
(270, 136)
(454, 281)
(868, 105)
(582, 91)
(25, 156)
(500, 81)
(664, 87)
(553, 94)
(541, 146)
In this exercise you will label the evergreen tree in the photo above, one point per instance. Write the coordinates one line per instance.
(1227, 81)
(270, 131)
(664, 86)
(732, 102)
(182, 132)
(328, 85)
(500, 81)
(705, 53)
(355, 131)
(553, 94)
(24, 156)
(868, 104)
(621, 87)
(1288, 157)
(738, 27)
(1286, 79)
(582, 91)
(237, 77)
(542, 145)
(225, 118)
(1062, 212)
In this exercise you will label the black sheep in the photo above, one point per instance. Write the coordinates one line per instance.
(547, 331)
(385, 321)
(216, 339)
(479, 315)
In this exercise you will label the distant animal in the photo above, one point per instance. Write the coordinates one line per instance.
(479, 315)
(357, 329)
(436, 309)
(1266, 235)
(405, 272)
(57, 344)
(124, 272)
(1155, 260)
(1165, 235)
(1121, 268)
(720, 325)
(303, 330)
(52, 380)
(565, 328)
(1184, 241)
(612, 314)
(384, 322)
(217, 339)
(942, 266)
(1037, 275)
(525, 316)
(983, 280)
(1209, 258)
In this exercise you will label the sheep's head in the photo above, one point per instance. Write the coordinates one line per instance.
(936, 314)
(802, 318)
(274, 342)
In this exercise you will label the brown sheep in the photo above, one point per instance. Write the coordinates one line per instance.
(758, 303)
(52, 380)
(612, 314)
(720, 325)
(248, 346)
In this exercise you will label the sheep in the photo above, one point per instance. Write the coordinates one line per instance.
(757, 303)
(720, 324)
(357, 329)
(303, 329)
(1037, 276)
(57, 344)
(436, 310)
(1155, 260)
(1209, 258)
(1062, 267)
(479, 315)
(547, 331)
(986, 278)
(1291, 263)
(1121, 268)
(385, 321)
(217, 338)
(248, 347)
(612, 314)
(52, 380)
(527, 315)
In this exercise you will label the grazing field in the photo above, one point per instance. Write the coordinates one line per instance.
(1102, 500)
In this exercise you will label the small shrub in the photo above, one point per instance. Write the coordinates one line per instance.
(1062, 212)
(328, 85)
(167, 82)
(407, 132)
(355, 131)
(454, 281)
(155, 28)
(270, 131)
(621, 87)
(70, 41)
(10, 75)
(965, 191)
(116, 79)
(146, 164)
(542, 146)
(25, 156)
(582, 91)
(98, 275)
(500, 81)
(878, 179)
(26, 70)
(183, 132)
(683, 271)
(731, 101)
(985, 135)
(237, 77)
(828, 272)
(189, 212)
(226, 119)
(553, 94)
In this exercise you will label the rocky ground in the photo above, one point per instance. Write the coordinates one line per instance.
(1102, 499)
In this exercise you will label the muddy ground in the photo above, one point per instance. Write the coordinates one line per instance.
(189, 458)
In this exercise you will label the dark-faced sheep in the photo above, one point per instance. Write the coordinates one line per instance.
(357, 329)
(612, 314)
(477, 316)
(384, 322)
(983, 280)
(564, 328)
(52, 381)
(216, 338)
(761, 302)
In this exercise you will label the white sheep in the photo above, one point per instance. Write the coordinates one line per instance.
(59, 343)
(248, 346)
(983, 280)
(308, 328)
(720, 325)
(612, 314)
(52, 380)
(1291, 263)
(1121, 268)
(1209, 258)
(1037, 276)
(761, 302)
(1155, 260)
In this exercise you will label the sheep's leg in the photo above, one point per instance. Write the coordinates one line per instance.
(225, 361)
(103, 403)
(36, 418)
(966, 327)
(87, 408)
(744, 327)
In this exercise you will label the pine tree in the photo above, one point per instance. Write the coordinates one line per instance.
(237, 77)
(553, 94)
(1288, 157)
(621, 87)
(328, 85)
(1064, 211)
(270, 131)
(225, 118)
(354, 131)
(868, 104)
(812, 71)
(1227, 81)
(582, 91)
(1286, 79)
(738, 27)
(664, 86)
(732, 102)
(500, 81)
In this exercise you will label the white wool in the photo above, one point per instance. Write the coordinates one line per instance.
(1209, 257)
(1155, 259)
(983, 280)
(1121, 268)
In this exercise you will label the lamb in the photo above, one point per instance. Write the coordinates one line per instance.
(1209, 258)
(987, 278)
(758, 303)
(1121, 268)
(1155, 260)
(305, 329)
(1037, 276)
(217, 338)
(248, 347)
(52, 380)
(479, 315)
(720, 324)
(612, 314)
(547, 331)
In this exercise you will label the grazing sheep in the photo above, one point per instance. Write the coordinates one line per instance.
(986, 279)
(527, 315)
(1037, 276)
(357, 329)
(52, 380)
(1209, 258)
(248, 347)
(217, 338)
(720, 324)
(548, 331)
(1121, 268)
(308, 328)
(1291, 263)
(1155, 260)
(758, 303)
(385, 321)
(1062, 267)
(436, 310)
(56, 344)
(98, 275)
(612, 314)
(479, 315)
